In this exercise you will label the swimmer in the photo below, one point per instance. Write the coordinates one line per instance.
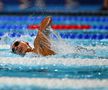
(42, 44)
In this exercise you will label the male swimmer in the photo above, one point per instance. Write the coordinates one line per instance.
(42, 44)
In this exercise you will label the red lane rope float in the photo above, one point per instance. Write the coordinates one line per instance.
(70, 27)
(33, 27)
(63, 27)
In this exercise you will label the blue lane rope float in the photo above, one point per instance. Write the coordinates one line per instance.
(86, 36)
(55, 18)
(1, 34)
(12, 35)
(101, 36)
(66, 35)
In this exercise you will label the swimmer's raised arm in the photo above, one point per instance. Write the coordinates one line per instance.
(42, 43)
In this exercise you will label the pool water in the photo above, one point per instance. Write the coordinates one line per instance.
(81, 64)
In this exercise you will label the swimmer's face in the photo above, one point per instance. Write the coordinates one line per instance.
(20, 47)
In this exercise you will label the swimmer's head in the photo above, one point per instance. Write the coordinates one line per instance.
(20, 47)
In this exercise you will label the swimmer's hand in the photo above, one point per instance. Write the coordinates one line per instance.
(45, 23)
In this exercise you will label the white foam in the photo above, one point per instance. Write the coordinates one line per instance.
(98, 47)
(55, 83)
(60, 46)
(53, 61)
(4, 46)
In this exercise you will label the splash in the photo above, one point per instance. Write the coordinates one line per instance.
(63, 47)
(59, 45)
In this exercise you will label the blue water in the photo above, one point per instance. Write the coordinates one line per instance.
(80, 64)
